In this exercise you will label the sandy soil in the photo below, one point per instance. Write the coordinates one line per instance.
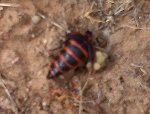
(27, 34)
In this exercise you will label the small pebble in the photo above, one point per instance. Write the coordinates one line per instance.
(15, 60)
(33, 35)
(44, 41)
(89, 65)
(97, 66)
(36, 19)
(44, 104)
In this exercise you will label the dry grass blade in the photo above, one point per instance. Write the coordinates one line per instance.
(53, 22)
(59, 26)
(81, 96)
(2, 83)
(9, 5)
(91, 11)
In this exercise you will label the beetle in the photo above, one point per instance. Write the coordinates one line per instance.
(77, 50)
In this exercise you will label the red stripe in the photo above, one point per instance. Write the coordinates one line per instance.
(57, 65)
(80, 47)
(74, 33)
(72, 54)
(64, 60)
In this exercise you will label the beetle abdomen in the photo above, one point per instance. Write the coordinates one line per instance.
(74, 53)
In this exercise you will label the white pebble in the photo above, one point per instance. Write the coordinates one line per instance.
(36, 19)
(44, 41)
(33, 35)
(15, 60)
(44, 104)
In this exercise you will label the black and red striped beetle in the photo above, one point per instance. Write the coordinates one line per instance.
(78, 49)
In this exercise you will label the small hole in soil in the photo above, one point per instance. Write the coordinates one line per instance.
(110, 89)
(58, 95)
(10, 17)
(85, 111)
(121, 79)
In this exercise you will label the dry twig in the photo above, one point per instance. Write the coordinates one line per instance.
(9, 5)
(2, 83)
(89, 12)
(57, 25)
(54, 23)
(81, 93)
(81, 96)
(140, 67)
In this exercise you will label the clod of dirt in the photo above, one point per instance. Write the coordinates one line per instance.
(8, 57)
(10, 19)
(5, 103)
(1, 8)
(56, 106)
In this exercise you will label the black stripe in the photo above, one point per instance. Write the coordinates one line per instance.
(77, 37)
(69, 58)
(62, 65)
(49, 76)
(77, 52)
(54, 72)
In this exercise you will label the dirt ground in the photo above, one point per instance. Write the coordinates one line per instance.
(27, 34)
